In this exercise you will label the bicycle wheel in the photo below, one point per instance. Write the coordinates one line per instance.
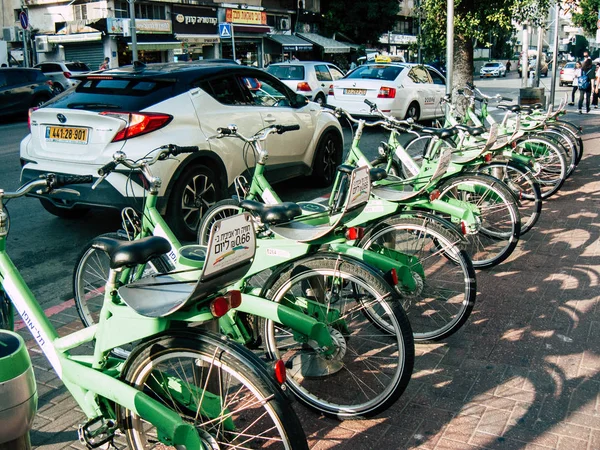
(89, 280)
(574, 131)
(183, 370)
(550, 168)
(566, 143)
(220, 210)
(383, 162)
(524, 187)
(500, 226)
(444, 274)
(374, 355)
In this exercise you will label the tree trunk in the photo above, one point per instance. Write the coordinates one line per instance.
(463, 61)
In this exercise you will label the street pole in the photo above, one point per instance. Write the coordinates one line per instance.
(555, 54)
(525, 56)
(449, 46)
(233, 43)
(538, 64)
(419, 58)
(133, 31)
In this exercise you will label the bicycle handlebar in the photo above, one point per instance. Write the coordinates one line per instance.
(48, 182)
(165, 152)
(262, 135)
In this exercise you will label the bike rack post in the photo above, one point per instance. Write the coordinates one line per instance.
(18, 393)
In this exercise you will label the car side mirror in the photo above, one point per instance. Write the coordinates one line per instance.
(300, 100)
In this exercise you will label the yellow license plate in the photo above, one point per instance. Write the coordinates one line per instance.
(67, 134)
(355, 91)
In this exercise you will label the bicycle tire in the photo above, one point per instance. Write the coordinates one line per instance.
(220, 210)
(524, 187)
(7, 319)
(500, 227)
(444, 272)
(89, 279)
(550, 162)
(212, 360)
(382, 162)
(566, 143)
(574, 130)
(351, 384)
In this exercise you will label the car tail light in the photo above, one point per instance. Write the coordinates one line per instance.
(386, 92)
(354, 233)
(67, 74)
(330, 90)
(138, 123)
(29, 116)
(280, 372)
(303, 86)
(562, 71)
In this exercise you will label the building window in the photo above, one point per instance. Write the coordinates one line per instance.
(142, 11)
(80, 12)
(406, 25)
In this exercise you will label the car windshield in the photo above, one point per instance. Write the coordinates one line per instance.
(287, 72)
(77, 67)
(376, 72)
(570, 66)
(491, 65)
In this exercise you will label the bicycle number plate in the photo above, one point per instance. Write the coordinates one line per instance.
(355, 91)
(67, 134)
(232, 242)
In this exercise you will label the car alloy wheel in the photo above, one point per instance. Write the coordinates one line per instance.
(327, 158)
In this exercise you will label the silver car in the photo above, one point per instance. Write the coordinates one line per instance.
(309, 78)
(492, 69)
(60, 72)
(567, 73)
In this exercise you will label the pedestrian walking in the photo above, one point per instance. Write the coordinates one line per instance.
(575, 83)
(595, 86)
(586, 80)
(508, 65)
(105, 64)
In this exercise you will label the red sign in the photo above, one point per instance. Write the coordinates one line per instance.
(246, 16)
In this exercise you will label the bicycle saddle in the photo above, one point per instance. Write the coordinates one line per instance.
(511, 108)
(272, 214)
(473, 131)
(440, 132)
(131, 253)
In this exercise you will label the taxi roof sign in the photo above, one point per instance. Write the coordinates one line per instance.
(383, 59)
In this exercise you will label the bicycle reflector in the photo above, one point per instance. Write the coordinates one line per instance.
(280, 372)
(220, 305)
(463, 227)
(392, 277)
(138, 124)
(487, 157)
(434, 195)
(354, 233)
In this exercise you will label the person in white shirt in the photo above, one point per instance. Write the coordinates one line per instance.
(575, 84)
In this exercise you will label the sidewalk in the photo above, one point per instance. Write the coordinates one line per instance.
(524, 373)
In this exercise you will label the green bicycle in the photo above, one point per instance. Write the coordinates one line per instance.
(181, 386)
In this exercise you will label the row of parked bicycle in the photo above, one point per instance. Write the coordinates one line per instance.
(332, 296)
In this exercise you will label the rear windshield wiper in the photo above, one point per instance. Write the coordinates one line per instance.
(92, 106)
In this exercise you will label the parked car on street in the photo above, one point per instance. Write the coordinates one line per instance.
(136, 110)
(403, 90)
(21, 89)
(61, 73)
(309, 78)
(567, 73)
(532, 63)
(492, 69)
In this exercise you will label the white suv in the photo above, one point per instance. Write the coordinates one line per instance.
(310, 78)
(61, 73)
(137, 109)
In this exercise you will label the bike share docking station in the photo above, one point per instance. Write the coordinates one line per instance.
(18, 393)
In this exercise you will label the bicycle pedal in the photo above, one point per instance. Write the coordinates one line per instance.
(97, 432)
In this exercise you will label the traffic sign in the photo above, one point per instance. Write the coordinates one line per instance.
(225, 30)
(24, 19)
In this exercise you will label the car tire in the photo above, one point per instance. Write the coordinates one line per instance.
(328, 156)
(321, 99)
(196, 190)
(63, 213)
(58, 88)
(413, 111)
(39, 101)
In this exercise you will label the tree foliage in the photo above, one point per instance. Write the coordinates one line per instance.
(365, 22)
(585, 15)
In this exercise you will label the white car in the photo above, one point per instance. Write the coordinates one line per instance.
(62, 72)
(400, 89)
(492, 69)
(136, 110)
(309, 78)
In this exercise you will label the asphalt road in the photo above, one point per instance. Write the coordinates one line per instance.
(45, 248)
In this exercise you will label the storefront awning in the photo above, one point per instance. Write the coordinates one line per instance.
(291, 43)
(251, 29)
(328, 45)
(155, 42)
(77, 37)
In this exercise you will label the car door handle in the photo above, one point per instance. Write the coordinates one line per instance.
(270, 119)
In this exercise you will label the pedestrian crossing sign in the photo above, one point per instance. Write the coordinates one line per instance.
(225, 30)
